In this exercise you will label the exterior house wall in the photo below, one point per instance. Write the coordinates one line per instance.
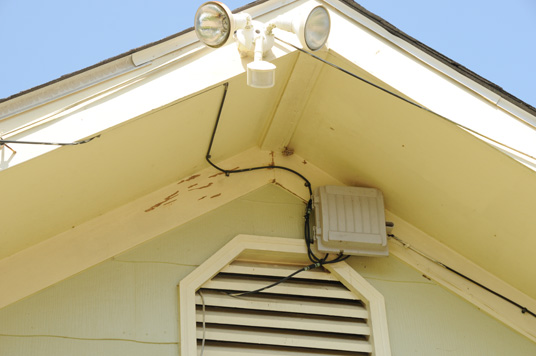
(128, 305)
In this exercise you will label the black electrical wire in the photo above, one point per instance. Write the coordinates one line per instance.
(405, 244)
(2, 142)
(228, 172)
(306, 268)
(404, 99)
(523, 309)
(353, 75)
(316, 262)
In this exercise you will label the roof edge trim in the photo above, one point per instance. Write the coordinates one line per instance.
(138, 56)
(483, 87)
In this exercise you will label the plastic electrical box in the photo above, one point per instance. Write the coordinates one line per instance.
(350, 220)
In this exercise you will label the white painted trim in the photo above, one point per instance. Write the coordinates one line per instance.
(426, 58)
(161, 49)
(66, 86)
(115, 68)
(343, 272)
(83, 116)
(116, 231)
(375, 303)
(292, 103)
(406, 73)
(97, 240)
(151, 85)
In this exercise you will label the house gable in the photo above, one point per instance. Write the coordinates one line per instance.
(128, 304)
(460, 197)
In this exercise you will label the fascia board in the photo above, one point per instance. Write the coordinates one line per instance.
(84, 80)
(433, 62)
(167, 72)
(401, 66)
(157, 85)
(161, 49)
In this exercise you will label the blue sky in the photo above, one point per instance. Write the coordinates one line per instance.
(43, 40)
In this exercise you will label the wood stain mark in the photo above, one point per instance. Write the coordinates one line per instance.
(287, 151)
(193, 185)
(203, 197)
(215, 196)
(166, 200)
(425, 276)
(203, 187)
(170, 202)
(304, 162)
(189, 179)
(215, 175)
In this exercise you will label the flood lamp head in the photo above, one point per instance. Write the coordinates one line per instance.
(312, 28)
(215, 24)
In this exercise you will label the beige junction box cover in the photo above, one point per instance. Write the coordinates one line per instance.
(350, 220)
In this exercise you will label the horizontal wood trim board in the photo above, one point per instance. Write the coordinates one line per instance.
(296, 305)
(287, 288)
(303, 315)
(283, 321)
(219, 349)
(296, 339)
(279, 271)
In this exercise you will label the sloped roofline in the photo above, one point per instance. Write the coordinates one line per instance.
(356, 7)
(119, 56)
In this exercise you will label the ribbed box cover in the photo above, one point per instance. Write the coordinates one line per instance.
(351, 220)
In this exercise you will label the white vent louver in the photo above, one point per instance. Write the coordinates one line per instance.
(311, 314)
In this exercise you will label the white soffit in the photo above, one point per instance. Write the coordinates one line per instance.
(182, 59)
(169, 71)
(428, 81)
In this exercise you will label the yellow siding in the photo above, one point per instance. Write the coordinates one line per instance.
(127, 306)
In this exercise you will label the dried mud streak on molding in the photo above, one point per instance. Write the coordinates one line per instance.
(193, 185)
(166, 200)
(273, 159)
(215, 196)
(189, 179)
(203, 187)
(203, 197)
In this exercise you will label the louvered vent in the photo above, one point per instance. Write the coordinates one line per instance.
(311, 314)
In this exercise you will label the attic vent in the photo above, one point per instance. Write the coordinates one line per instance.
(330, 312)
(306, 315)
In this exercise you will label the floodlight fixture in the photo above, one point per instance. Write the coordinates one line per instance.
(215, 23)
(312, 30)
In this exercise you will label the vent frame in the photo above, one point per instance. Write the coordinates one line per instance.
(288, 255)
